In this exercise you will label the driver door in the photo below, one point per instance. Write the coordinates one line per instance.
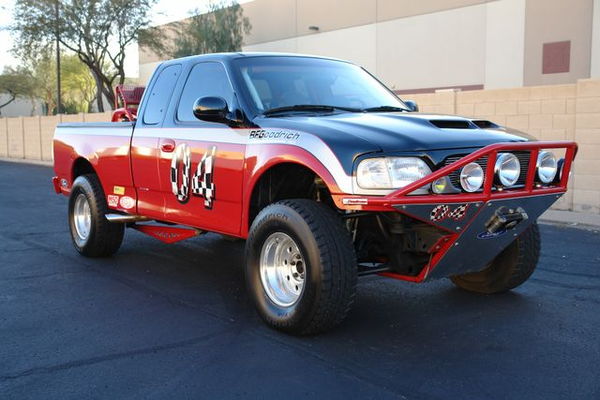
(201, 163)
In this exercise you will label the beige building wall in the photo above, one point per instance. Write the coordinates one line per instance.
(595, 53)
(504, 44)
(550, 21)
(432, 50)
(404, 61)
(350, 44)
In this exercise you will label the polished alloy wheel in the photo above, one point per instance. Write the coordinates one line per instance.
(82, 217)
(282, 269)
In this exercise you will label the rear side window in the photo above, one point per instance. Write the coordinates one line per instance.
(158, 100)
(205, 79)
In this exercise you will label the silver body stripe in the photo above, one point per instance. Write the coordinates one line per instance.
(94, 131)
(303, 140)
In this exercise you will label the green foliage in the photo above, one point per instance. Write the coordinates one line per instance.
(37, 80)
(221, 29)
(78, 85)
(97, 31)
(16, 83)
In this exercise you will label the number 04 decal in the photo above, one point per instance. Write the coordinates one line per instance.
(202, 181)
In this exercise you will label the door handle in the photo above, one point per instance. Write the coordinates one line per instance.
(167, 145)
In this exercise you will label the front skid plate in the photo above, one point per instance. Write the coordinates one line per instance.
(473, 248)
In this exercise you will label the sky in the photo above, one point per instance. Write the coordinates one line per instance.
(163, 12)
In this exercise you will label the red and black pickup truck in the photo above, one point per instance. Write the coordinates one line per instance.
(325, 172)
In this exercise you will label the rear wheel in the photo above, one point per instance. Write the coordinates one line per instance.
(91, 233)
(300, 267)
(509, 269)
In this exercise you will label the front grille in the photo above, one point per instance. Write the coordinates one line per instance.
(523, 157)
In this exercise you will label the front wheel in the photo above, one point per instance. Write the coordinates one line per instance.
(91, 233)
(509, 269)
(300, 267)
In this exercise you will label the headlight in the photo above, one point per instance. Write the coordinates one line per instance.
(471, 177)
(546, 166)
(390, 172)
(507, 168)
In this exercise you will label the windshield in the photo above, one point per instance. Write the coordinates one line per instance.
(276, 82)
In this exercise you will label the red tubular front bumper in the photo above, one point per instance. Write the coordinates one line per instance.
(402, 196)
(464, 215)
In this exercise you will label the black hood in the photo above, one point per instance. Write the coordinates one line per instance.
(353, 134)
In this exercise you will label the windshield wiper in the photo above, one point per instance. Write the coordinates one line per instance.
(383, 109)
(308, 107)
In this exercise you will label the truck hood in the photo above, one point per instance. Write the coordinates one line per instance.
(400, 132)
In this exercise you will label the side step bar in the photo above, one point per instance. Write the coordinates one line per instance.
(124, 218)
(166, 234)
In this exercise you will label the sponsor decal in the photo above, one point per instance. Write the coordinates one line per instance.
(113, 201)
(355, 201)
(490, 235)
(442, 212)
(127, 202)
(202, 184)
(119, 190)
(264, 134)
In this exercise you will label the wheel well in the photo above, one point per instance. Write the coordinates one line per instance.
(81, 166)
(286, 181)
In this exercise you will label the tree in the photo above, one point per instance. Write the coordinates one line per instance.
(221, 29)
(97, 31)
(78, 85)
(16, 83)
(43, 74)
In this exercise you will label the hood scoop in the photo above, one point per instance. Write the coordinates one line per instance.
(483, 124)
(452, 124)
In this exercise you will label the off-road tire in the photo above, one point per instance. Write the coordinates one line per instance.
(331, 270)
(104, 237)
(509, 269)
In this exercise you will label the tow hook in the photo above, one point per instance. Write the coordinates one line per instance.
(505, 218)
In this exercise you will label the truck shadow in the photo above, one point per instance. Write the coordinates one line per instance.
(206, 273)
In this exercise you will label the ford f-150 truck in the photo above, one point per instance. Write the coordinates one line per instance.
(325, 172)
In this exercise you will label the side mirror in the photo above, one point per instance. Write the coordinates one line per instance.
(412, 105)
(211, 109)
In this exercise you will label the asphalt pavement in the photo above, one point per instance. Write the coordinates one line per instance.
(174, 321)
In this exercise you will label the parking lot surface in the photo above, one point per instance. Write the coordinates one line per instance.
(174, 321)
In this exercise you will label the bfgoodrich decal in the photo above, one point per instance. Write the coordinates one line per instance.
(265, 134)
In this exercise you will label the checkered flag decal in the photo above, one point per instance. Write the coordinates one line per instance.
(181, 191)
(439, 212)
(202, 182)
(442, 212)
(458, 213)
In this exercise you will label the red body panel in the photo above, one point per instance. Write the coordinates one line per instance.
(108, 155)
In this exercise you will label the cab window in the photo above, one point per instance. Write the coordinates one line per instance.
(205, 79)
(158, 99)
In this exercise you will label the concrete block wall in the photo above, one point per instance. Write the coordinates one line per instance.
(30, 138)
(556, 112)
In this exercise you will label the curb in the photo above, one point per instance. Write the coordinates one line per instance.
(26, 161)
(571, 219)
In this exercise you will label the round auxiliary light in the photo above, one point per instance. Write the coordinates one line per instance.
(471, 177)
(547, 166)
(507, 169)
(561, 167)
